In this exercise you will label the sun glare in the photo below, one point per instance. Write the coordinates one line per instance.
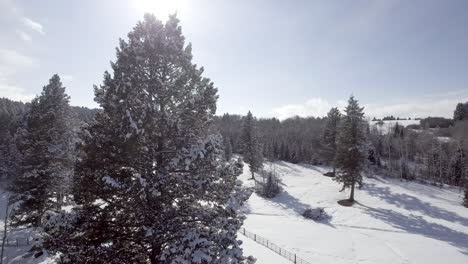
(160, 8)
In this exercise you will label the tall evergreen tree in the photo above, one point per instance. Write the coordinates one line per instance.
(153, 185)
(250, 145)
(351, 152)
(465, 199)
(10, 157)
(458, 167)
(46, 145)
(330, 133)
(461, 112)
(227, 148)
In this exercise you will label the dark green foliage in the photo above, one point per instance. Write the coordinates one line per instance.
(294, 139)
(84, 114)
(465, 199)
(351, 150)
(458, 167)
(153, 185)
(10, 158)
(11, 115)
(330, 133)
(46, 144)
(461, 112)
(268, 185)
(227, 149)
(434, 122)
(251, 148)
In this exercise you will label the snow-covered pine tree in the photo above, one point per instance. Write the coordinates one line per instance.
(10, 158)
(458, 166)
(48, 155)
(351, 150)
(461, 112)
(330, 133)
(227, 148)
(251, 147)
(153, 185)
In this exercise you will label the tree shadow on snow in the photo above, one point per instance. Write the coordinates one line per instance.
(286, 166)
(318, 168)
(413, 204)
(417, 225)
(288, 202)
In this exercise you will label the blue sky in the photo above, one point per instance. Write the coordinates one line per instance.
(276, 58)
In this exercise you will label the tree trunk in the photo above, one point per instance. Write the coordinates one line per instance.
(351, 196)
(253, 178)
(5, 230)
(155, 254)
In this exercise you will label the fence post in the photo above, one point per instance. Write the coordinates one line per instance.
(294, 258)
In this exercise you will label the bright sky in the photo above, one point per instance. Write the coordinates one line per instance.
(276, 58)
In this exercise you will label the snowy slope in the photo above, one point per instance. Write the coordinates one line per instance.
(261, 253)
(389, 124)
(395, 222)
(13, 254)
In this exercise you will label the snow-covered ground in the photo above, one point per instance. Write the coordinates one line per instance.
(14, 254)
(394, 222)
(389, 124)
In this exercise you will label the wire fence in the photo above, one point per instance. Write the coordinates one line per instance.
(272, 246)
(17, 242)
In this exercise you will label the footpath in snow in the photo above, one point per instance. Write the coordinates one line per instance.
(394, 222)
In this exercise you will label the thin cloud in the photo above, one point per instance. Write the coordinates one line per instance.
(14, 93)
(423, 108)
(33, 25)
(313, 107)
(12, 63)
(319, 107)
(23, 35)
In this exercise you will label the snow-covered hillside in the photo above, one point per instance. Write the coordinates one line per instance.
(14, 254)
(389, 124)
(394, 222)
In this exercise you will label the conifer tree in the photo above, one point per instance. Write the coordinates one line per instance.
(153, 185)
(458, 167)
(465, 199)
(351, 152)
(227, 149)
(10, 158)
(250, 145)
(461, 112)
(46, 145)
(330, 133)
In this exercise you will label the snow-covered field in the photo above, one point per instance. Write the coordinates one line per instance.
(394, 222)
(13, 254)
(389, 124)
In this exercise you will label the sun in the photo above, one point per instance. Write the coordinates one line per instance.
(160, 8)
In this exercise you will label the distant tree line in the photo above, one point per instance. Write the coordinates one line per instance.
(294, 139)
(434, 151)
